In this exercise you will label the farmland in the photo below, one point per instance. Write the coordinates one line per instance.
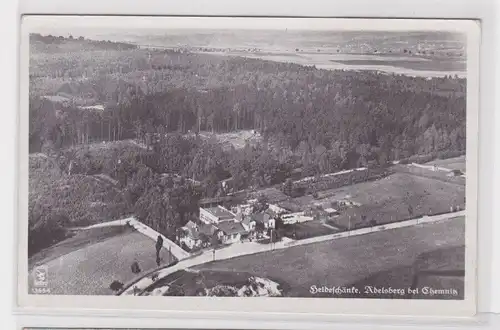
(374, 259)
(387, 200)
(89, 262)
(307, 230)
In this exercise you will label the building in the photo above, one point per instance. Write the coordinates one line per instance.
(216, 214)
(297, 217)
(331, 212)
(265, 219)
(248, 223)
(226, 185)
(275, 210)
(196, 236)
(245, 209)
(231, 231)
(212, 202)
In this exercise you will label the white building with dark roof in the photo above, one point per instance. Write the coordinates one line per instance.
(214, 215)
(231, 231)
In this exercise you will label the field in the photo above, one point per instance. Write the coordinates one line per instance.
(89, 262)
(395, 256)
(443, 176)
(77, 239)
(434, 65)
(307, 230)
(237, 139)
(457, 163)
(387, 200)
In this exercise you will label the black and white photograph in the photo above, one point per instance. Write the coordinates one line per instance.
(250, 158)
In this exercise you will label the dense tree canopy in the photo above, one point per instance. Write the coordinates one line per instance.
(313, 120)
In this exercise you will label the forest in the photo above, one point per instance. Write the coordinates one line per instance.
(318, 121)
(349, 121)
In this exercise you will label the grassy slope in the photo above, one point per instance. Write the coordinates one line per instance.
(89, 268)
(353, 260)
(76, 240)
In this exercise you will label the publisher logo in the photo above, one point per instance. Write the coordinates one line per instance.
(41, 277)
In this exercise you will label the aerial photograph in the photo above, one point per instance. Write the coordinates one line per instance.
(247, 163)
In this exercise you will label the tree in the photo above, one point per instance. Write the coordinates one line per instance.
(273, 235)
(259, 227)
(410, 210)
(214, 243)
(261, 204)
(287, 187)
(278, 223)
(205, 239)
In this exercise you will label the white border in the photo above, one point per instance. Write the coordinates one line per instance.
(482, 322)
(485, 10)
(320, 308)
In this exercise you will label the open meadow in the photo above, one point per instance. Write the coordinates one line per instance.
(388, 199)
(359, 260)
(456, 163)
(90, 261)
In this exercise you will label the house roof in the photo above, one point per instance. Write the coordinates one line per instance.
(220, 212)
(261, 217)
(191, 232)
(247, 219)
(215, 200)
(191, 225)
(194, 231)
(330, 210)
(276, 209)
(231, 227)
(207, 229)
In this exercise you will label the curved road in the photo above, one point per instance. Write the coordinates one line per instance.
(246, 248)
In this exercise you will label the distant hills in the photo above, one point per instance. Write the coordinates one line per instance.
(49, 43)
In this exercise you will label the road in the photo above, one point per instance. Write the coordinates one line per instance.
(247, 248)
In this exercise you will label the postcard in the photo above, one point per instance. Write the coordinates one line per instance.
(317, 165)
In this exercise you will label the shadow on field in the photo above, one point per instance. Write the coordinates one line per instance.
(437, 274)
